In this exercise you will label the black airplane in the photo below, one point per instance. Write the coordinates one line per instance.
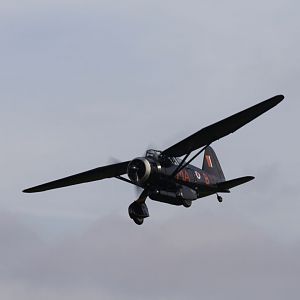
(164, 177)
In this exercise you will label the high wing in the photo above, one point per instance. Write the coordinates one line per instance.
(222, 128)
(88, 176)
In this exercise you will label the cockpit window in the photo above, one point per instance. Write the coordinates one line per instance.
(164, 160)
(153, 153)
(177, 160)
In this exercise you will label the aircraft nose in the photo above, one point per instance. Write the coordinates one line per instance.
(139, 170)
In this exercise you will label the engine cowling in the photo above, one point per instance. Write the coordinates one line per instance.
(139, 170)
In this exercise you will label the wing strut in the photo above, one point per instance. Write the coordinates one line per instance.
(125, 180)
(184, 163)
(178, 169)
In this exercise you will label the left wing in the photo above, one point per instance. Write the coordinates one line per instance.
(222, 128)
(88, 176)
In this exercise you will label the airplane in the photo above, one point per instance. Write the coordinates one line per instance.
(164, 176)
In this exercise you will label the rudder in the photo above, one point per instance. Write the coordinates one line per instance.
(211, 164)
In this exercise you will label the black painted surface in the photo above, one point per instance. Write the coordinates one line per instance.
(160, 173)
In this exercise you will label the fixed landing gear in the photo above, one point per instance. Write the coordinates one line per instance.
(138, 221)
(186, 203)
(220, 199)
(138, 212)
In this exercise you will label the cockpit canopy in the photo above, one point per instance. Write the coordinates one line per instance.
(153, 153)
(164, 160)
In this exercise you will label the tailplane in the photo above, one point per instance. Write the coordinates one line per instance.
(227, 185)
(211, 164)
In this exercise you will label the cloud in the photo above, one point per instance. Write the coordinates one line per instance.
(86, 80)
(185, 257)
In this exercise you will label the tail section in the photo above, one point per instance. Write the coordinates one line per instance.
(211, 164)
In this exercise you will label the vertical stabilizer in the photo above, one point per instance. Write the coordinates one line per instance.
(211, 164)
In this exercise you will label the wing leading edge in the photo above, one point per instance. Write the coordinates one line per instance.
(88, 176)
(222, 128)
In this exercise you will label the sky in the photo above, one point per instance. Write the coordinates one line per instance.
(86, 83)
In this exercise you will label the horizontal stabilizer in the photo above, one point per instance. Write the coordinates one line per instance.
(88, 176)
(227, 185)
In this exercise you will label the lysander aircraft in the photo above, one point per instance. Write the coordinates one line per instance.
(165, 177)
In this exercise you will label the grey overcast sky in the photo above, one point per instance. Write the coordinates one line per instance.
(85, 82)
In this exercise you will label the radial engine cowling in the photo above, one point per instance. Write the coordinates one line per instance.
(139, 170)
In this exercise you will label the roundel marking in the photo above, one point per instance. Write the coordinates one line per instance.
(198, 175)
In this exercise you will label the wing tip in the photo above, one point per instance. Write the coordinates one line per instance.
(277, 99)
(34, 189)
(27, 191)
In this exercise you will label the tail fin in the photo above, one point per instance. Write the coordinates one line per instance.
(211, 164)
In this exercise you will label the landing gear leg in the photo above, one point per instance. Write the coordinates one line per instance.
(220, 199)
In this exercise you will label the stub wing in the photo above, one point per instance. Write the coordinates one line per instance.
(222, 128)
(88, 176)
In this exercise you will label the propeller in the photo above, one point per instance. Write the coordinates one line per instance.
(140, 192)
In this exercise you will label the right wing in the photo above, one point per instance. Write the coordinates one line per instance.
(88, 176)
(222, 128)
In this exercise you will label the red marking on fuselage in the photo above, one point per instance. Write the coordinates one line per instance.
(206, 178)
(208, 160)
(198, 175)
(183, 175)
